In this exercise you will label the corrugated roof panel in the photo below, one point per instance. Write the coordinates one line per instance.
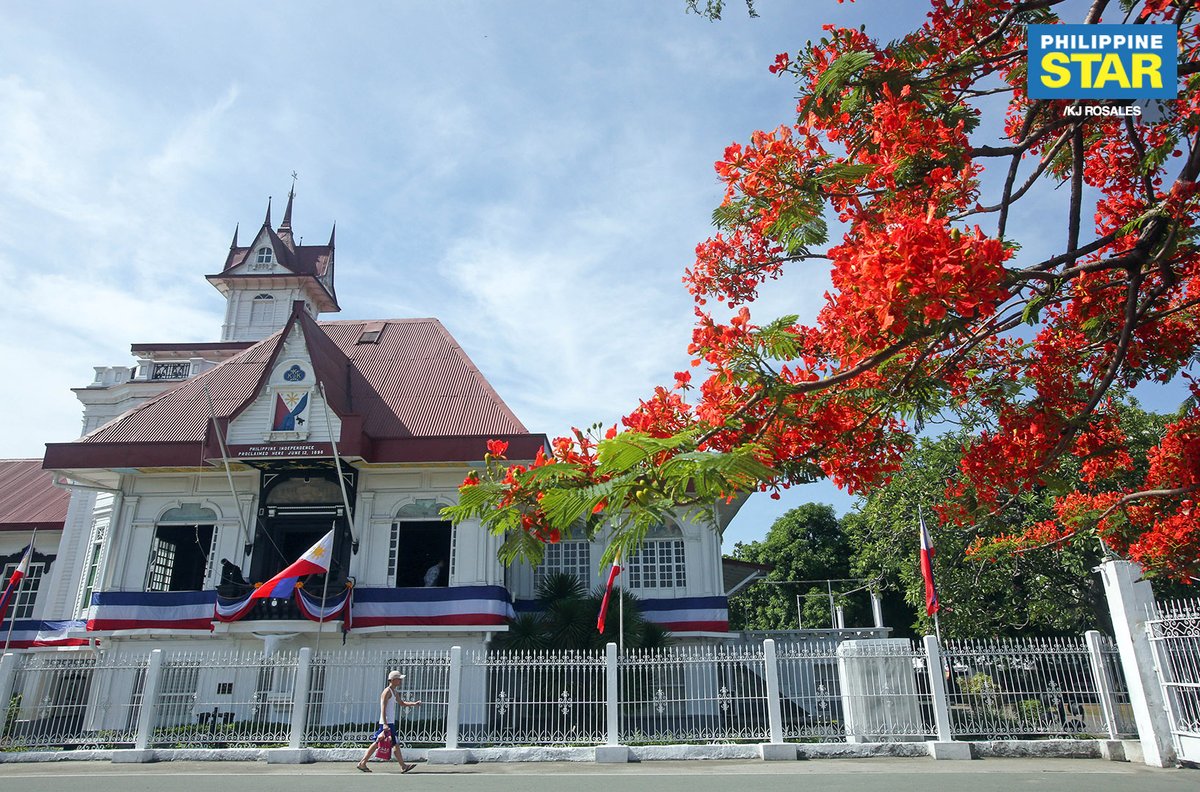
(414, 382)
(28, 496)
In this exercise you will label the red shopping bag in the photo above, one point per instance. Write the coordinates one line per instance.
(384, 751)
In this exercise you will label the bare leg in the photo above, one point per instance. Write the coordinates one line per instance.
(370, 752)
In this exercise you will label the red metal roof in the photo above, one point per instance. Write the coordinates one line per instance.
(28, 497)
(413, 384)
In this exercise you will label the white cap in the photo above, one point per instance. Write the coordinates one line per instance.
(395, 675)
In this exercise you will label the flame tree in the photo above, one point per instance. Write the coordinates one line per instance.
(900, 174)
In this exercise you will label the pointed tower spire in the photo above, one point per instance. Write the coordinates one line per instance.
(332, 234)
(267, 221)
(285, 228)
(234, 243)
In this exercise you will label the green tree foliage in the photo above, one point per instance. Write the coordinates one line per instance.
(805, 544)
(567, 620)
(1042, 591)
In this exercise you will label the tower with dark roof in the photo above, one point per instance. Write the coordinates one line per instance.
(261, 280)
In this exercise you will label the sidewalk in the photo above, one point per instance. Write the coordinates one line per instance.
(832, 775)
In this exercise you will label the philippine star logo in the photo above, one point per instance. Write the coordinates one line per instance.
(1103, 63)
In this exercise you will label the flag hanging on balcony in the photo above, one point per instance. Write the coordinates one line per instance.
(931, 598)
(14, 582)
(315, 561)
(608, 587)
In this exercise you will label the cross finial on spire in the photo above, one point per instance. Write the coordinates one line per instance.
(285, 228)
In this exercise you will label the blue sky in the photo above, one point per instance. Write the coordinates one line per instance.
(536, 175)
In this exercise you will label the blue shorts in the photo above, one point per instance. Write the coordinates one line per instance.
(393, 727)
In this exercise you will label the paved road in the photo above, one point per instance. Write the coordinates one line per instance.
(826, 775)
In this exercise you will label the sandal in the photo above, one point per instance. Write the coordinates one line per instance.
(408, 767)
(363, 768)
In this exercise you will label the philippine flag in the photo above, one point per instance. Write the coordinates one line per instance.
(315, 561)
(612, 577)
(931, 597)
(14, 582)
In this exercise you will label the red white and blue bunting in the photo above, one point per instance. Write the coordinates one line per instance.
(32, 634)
(151, 610)
(484, 607)
(678, 615)
(456, 606)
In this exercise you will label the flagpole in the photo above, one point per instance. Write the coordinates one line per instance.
(248, 543)
(621, 621)
(337, 461)
(324, 591)
(13, 621)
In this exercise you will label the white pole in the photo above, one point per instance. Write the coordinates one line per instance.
(337, 460)
(621, 619)
(248, 543)
(324, 591)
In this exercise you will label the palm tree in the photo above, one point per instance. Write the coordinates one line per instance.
(567, 620)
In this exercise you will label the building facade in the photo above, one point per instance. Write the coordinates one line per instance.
(207, 468)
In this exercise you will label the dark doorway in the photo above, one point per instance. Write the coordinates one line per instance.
(422, 544)
(298, 507)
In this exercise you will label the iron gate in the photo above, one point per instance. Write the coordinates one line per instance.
(1175, 635)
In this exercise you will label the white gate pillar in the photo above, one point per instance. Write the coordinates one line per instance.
(612, 750)
(1130, 602)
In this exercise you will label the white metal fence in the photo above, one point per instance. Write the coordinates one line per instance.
(860, 691)
(693, 694)
(70, 700)
(345, 690)
(1175, 634)
(1030, 688)
(533, 698)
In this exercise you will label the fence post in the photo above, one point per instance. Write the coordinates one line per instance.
(1103, 684)
(776, 749)
(944, 747)
(1130, 602)
(300, 697)
(610, 696)
(451, 753)
(454, 697)
(8, 678)
(612, 750)
(149, 700)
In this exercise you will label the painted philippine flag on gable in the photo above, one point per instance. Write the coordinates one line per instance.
(315, 561)
(291, 411)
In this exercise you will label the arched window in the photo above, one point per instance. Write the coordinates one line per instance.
(262, 310)
(181, 552)
(264, 256)
(420, 540)
(659, 563)
(571, 556)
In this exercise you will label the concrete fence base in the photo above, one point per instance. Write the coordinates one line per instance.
(1113, 750)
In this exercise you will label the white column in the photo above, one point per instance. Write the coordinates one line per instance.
(300, 694)
(613, 706)
(454, 697)
(149, 699)
(877, 609)
(1103, 685)
(774, 705)
(8, 676)
(937, 686)
(1130, 602)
